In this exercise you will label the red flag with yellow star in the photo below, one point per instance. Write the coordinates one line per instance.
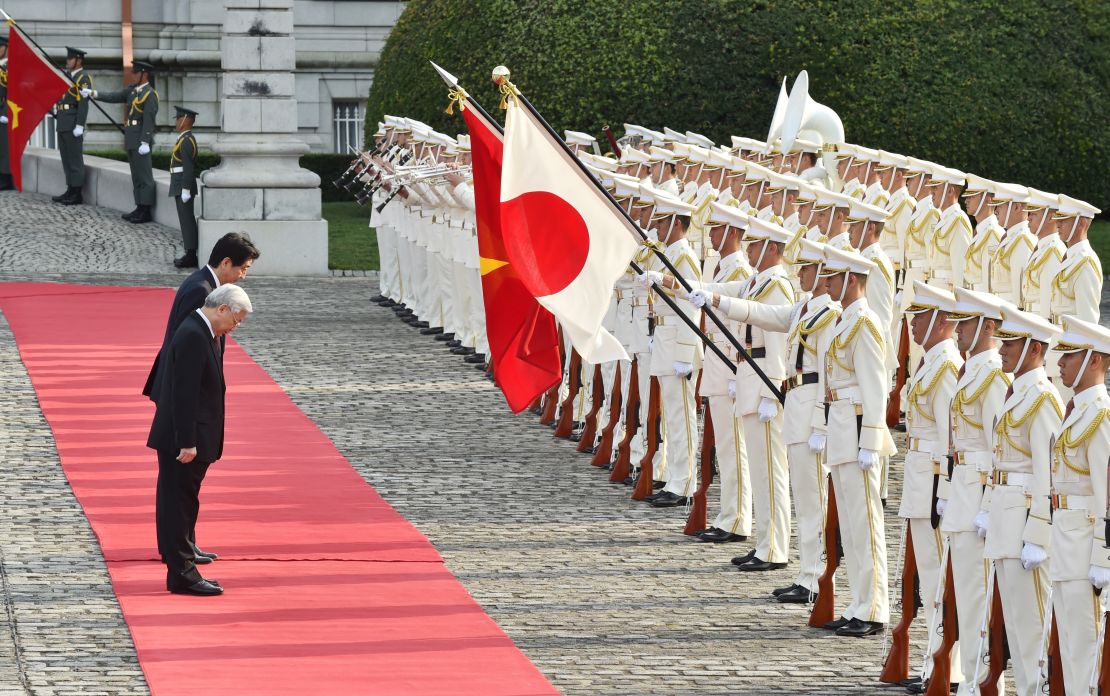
(34, 86)
(523, 341)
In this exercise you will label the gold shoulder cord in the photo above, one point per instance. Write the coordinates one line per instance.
(1066, 442)
(1009, 422)
(920, 389)
(963, 398)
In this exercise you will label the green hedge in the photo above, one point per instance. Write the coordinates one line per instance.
(1014, 91)
(328, 166)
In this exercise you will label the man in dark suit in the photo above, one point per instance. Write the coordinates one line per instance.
(228, 263)
(188, 430)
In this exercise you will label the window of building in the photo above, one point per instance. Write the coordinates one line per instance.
(348, 126)
(46, 135)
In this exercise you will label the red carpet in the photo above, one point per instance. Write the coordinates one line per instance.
(329, 589)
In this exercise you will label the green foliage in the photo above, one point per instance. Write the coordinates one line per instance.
(352, 243)
(1014, 91)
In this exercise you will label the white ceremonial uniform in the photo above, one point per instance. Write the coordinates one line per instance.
(1017, 504)
(947, 248)
(1079, 465)
(977, 269)
(674, 341)
(1010, 261)
(980, 393)
(1037, 277)
(880, 300)
(1077, 288)
(928, 415)
(900, 205)
(809, 326)
(856, 395)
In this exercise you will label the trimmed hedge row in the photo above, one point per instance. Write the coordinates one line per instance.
(327, 166)
(1014, 91)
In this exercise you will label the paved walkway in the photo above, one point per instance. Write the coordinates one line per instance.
(605, 595)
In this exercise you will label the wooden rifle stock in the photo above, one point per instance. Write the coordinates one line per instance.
(696, 522)
(589, 430)
(550, 404)
(605, 446)
(896, 667)
(612, 140)
(824, 607)
(996, 634)
(901, 374)
(565, 425)
(941, 678)
(622, 467)
(645, 484)
(1104, 666)
(1055, 663)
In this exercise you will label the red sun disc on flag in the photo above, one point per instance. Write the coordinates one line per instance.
(549, 243)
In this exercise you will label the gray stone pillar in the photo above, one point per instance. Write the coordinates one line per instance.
(259, 186)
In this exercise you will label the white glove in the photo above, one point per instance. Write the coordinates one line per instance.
(3, 119)
(681, 369)
(867, 458)
(732, 389)
(817, 442)
(78, 131)
(649, 277)
(1032, 556)
(768, 409)
(1099, 576)
(982, 521)
(651, 340)
(186, 196)
(942, 505)
(86, 93)
(144, 149)
(700, 298)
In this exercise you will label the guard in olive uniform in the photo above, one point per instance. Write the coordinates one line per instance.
(183, 183)
(138, 136)
(5, 168)
(70, 114)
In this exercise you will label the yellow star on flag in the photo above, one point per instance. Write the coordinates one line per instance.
(488, 266)
(15, 113)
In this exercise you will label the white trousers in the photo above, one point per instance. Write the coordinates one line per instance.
(680, 417)
(608, 378)
(735, 516)
(477, 325)
(969, 573)
(443, 276)
(770, 476)
(928, 547)
(404, 267)
(860, 515)
(622, 424)
(1024, 596)
(807, 483)
(389, 278)
(639, 442)
(1077, 616)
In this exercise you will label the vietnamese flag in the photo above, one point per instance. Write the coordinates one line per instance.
(34, 86)
(523, 341)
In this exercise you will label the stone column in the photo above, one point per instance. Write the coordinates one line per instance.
(259, 186)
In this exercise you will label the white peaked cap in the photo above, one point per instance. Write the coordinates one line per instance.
(579, 138)
(673, 135)
(747, 143)
(721, 214)
(1071, 207)
(698, 139)
(845, 261)
(929, 297)
(764, 229)
(1018, 324)
(719, 159)
(1010, 192)
(667, 205)
(631, 155)
(865, 211)
(1082, 335)
(1041, 199)
(810, 251)
(972, 303)
(606, 163)
(625, 186)
(662, 154)
(978, 184)
(697, 155)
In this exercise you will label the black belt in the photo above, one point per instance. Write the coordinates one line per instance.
(760, 352)
(798, 380)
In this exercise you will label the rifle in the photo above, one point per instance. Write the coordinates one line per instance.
(941, 677)
(565, 426)
(612, 140)
(622, 467)
(824, 607)
(645, 484)
(696, 521)
(894, 403)
(589, 431)
(993, 637)
(896, 666)
(1055, 663)
(551, 397)
(605, 446)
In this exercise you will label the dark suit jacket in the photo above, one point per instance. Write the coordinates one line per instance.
(189, 296)
(190, 401)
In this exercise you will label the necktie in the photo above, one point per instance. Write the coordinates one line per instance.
(1068, 410)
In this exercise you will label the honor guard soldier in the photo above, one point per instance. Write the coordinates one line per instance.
(1016, 246)
(980, 392)
(978, 200)
(928, 421)
(1077, 287)
(855, 396)
(70, 114)
(1080, 558)
(5, 166)
(183, 183)
(138, 138)
(676, 356)
(951, 238)
(1016, 513)
(1036, 278)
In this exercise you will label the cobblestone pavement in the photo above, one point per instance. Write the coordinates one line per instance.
(605, 595)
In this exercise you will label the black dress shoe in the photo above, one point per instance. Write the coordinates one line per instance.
(410, 319)
(400, 309)
(209, 554)
(797, 595)
(141, 216)
(836, 624)
(387, 303)
(72, 198)
(652, 498)
(445, 337)
(202, 560)
(756, 565)
(741, 560)
(378, 298)
(629, 481)
(668, 499)
(454, 343)
(720, 536)
(859, 629)
(60, 196)
(421, 325)
(656, 485)
(431, 331)
(128, 216)
(476, 359)
(204, 588)
(187, 260)
(909, 683)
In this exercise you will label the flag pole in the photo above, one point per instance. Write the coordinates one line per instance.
(12, 22)
(509, 88)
